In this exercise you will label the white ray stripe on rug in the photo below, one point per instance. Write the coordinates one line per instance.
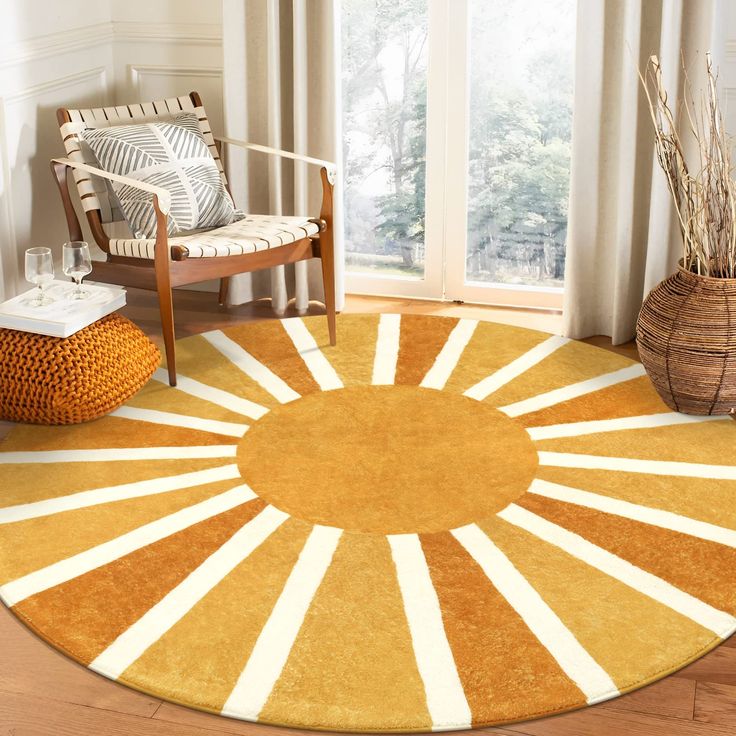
(719, 622)
(387, 349)
(446, 699)
(81, 563)
(252, 367)
(148, 629)
(320, 368)
(154, 416)
(644, 421)
(645, 514)
(573, 391)
(632, 465)
(118, 454)
(490, 384)
(274, 643)
(542, 621)
(225, 399)
(445, 362)
(109, 494)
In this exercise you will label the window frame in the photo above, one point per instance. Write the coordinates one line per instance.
(447, 145)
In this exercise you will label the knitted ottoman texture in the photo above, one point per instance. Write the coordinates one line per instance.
(54, 380)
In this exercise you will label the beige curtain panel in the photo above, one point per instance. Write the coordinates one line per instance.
(622, 235)
(282, 89)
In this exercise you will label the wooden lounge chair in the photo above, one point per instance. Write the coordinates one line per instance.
(160, 264)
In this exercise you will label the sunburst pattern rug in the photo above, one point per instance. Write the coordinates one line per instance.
(436, 524)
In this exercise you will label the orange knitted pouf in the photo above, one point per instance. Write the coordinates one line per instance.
(53, 380)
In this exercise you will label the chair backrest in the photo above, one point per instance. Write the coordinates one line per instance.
(94, 192)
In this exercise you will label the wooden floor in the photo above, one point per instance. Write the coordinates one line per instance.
(42, 693)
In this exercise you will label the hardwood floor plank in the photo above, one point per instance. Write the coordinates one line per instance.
(29, 666)
(599, 721)
(718, 667)
(672, 697)
(716, 704)
(24, 715)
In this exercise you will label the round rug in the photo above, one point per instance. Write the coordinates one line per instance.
(436, 524)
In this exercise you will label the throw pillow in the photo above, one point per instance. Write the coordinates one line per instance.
(172, 155)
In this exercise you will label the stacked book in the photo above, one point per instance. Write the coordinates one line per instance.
(64, 316)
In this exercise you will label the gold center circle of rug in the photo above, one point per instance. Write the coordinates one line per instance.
(388, 459)
(436, 524)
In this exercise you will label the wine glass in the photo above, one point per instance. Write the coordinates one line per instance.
(77, 264)
(40, 271)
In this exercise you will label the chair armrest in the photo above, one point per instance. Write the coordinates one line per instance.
(329, 165)
(164, 198)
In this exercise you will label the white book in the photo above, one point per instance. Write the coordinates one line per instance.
(64, 316)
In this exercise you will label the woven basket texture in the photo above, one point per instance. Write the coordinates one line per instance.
(686, 335)
(53, 380)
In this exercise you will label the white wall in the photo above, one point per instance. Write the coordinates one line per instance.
(167, 48)
(78, 53)
(48, 58)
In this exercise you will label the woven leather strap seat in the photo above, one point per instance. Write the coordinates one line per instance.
(251, 234)
(53, 380)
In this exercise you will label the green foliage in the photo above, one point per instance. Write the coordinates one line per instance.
(519, 157)
(394, 124)
(402, 211)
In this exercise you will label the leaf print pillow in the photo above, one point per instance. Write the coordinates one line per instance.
(172, 155)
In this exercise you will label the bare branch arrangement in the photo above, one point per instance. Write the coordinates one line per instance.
(705, 201)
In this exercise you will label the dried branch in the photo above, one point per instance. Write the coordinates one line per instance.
(705, 202)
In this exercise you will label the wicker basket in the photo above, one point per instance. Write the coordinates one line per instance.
(50, 380)
(686, 335)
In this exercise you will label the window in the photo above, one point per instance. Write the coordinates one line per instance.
(457, 121)
(520, 117)
(384, 122)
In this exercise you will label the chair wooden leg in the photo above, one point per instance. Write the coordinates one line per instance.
(327, 251)
(167, 326)
(328, 282)
(166, 307)
(224, 288)
(163, 287)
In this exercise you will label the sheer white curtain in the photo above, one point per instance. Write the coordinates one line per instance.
(622, 236)
(282, 89)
